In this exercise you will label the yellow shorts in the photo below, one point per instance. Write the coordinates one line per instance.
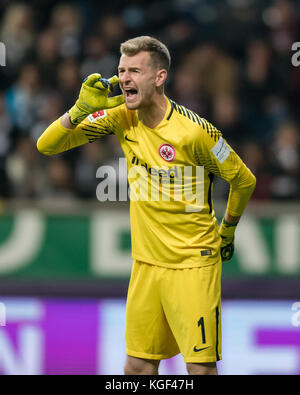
(171, 311)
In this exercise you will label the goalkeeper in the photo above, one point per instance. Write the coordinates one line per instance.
(174, 295)
(94, 96)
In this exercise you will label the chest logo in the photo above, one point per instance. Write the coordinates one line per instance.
(167, 152)
(128, 139)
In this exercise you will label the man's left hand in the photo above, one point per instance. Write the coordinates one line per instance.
(226, 231)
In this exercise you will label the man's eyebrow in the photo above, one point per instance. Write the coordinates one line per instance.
(129, 68)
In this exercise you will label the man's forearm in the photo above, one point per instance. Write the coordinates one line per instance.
(241, 190)
(66, 123)
(60, 137)
(230, 219)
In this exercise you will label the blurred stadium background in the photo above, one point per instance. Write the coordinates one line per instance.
(65, 257)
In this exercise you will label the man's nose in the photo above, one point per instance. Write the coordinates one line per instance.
(124, 77)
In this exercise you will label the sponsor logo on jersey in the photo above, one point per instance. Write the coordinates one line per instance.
(97, 115)
(167, 152)
(162, 172)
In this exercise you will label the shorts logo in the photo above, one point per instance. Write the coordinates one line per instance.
(200, 349)
(97, 115)
(167, 152)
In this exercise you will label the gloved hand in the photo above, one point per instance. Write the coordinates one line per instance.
(226, 231)
(93, 96)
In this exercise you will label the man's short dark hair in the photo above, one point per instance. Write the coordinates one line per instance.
(159, 53)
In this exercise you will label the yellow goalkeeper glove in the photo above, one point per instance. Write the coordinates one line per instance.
(226, 231)
(93, 96)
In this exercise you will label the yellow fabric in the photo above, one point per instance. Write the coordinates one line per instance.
(182, 231)
(57, 139)
(94, 95)
(170, 311)
(227, 234)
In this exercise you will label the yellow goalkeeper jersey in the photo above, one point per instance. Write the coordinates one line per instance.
(170, 172)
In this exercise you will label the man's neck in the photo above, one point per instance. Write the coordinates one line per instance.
(153, 114)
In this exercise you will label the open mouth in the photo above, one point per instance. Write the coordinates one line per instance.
(130, 93)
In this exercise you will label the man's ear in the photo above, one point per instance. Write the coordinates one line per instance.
(161, 77)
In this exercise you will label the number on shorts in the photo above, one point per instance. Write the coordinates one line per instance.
(201, 324)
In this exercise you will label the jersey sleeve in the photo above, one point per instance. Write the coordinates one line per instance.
(213, 152)
(103, 122)
(57, 139)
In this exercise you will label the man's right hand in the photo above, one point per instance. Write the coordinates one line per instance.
(93, 96)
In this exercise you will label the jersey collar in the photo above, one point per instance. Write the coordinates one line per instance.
(166, 118)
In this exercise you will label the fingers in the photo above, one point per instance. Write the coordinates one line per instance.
(95, 81)
(114, 80)
(227, 252)
(92, 79)
(109, 84)
(115, 101)
(105, 84)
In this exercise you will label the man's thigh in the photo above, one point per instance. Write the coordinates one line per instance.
(191, 300)
(148, 335)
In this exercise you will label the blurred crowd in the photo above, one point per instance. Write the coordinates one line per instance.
(231, 63)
